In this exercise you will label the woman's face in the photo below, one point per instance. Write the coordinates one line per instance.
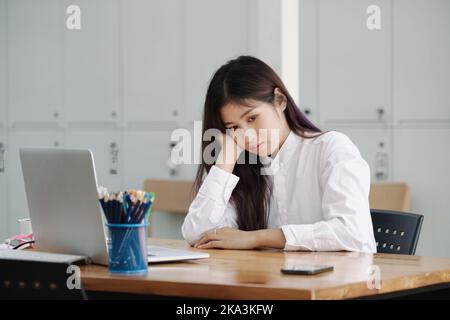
(256, 126)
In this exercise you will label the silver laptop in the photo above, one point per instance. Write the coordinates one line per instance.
(66, 217)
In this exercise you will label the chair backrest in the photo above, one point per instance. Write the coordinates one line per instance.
(396, 232)
(170, 196)
(390, 196)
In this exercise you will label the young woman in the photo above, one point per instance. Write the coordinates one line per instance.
(306, 190)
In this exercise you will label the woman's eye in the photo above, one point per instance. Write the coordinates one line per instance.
(251, 119)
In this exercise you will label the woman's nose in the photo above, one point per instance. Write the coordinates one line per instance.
(250, 136)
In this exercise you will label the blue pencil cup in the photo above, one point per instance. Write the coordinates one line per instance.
(127, 248)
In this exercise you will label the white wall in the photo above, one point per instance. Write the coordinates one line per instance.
(348, 73)
(3, 109)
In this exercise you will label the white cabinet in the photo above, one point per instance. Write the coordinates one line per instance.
(152, 46)
(3, 64)
(106, 145)
(421, 159)
(18, 206)
(91, 63)
(167, 225)
(188, 171)
(354, 62)
(146, 154)
(215, 32)
(375, 146)
(3, 101)
(308, 59)
(422, 60)
(34, 55)
(3, 191)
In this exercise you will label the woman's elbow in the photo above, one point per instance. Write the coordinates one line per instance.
(188, 233)
(356, 237)
(360, 242)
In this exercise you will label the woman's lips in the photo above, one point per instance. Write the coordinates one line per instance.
(257, 147)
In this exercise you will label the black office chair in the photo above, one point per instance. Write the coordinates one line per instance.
(396, 232)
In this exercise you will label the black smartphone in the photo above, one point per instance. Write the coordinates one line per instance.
(306, 269)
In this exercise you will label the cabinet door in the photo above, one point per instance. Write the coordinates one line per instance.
(374, 144)
(215, 32)
(188, 171)
(422, 156)
(354, 62)
(422, 60)
(152, 60)
(3, 64)
(91, 63)
(3, 204)
(146, 155)
(34, 52)
(167, 225)
(107, 149)
(18, 206)
(308, 59)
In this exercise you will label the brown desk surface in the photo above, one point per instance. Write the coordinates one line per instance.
(255, 274)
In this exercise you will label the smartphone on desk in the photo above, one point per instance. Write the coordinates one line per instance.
(306, 269)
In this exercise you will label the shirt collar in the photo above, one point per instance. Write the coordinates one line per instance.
(283, 155)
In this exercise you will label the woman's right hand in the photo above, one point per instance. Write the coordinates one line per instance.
(229, 153)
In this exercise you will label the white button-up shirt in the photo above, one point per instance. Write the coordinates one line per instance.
(320, 197)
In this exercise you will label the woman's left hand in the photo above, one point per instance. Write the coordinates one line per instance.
(228, 238)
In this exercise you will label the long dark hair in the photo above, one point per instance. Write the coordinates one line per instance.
(239, 79)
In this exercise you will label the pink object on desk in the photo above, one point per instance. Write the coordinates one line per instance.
(20, 241)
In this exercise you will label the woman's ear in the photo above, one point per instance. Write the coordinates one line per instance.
(279, 99)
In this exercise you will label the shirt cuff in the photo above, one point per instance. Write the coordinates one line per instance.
(218, 185)
(299, 237)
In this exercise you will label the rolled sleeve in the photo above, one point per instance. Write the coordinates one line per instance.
(218, 186)
(211, 208)
(298, 237)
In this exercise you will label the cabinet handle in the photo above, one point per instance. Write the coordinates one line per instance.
(381, 165)
(114, 153)
(173, 167)
(307, 112)
(380, 112)
(2, 157)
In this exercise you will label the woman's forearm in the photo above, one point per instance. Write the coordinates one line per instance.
(270, 238)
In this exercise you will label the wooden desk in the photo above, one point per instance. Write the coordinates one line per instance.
(237, 274)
